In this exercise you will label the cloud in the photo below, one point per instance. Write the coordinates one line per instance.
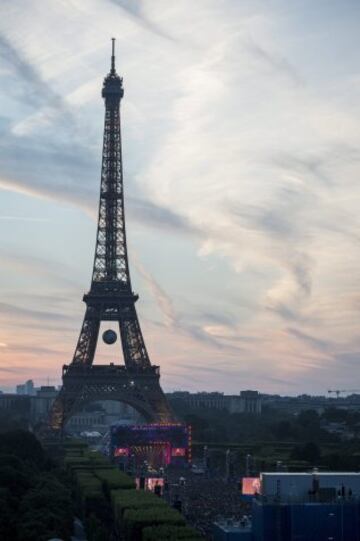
(143, 211)
(53, 271)
(316, 343)
(23, 219)
(12, 311)
(349, 360)
(181, 322)
(172, 318)
(235, 372)
(279, 222)
(12, 370)
(154, 215)
(135, 10)
(163, 301)
(285, 312)
(276, 62)
(33, 88)
(279, 381)
(34, 350)
(218, 318)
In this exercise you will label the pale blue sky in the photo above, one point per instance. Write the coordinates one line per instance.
(241, 136)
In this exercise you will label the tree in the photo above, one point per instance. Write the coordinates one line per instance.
(308, 417)
(309, 452)
(24, 445)
(283, 430)
(335, 415)
(34, 504)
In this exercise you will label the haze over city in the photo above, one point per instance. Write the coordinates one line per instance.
(240, 127)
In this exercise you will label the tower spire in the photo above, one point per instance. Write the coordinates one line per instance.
(113, 56)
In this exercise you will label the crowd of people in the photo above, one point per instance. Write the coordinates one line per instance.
(205, 498)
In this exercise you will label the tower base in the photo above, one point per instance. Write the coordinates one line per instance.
(139, 388)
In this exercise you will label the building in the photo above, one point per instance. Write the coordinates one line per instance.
(41, 403)
(302, 486)
(35, 408)
(316, 506)
(245, 402)
(307, 521)
(296, 404)
(90, 420)
(16, 405)
(27, 388)
(100, 415)
(250, 402)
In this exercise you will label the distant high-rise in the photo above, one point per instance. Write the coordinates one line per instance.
(26, 388)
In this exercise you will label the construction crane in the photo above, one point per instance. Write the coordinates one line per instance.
(338, 392)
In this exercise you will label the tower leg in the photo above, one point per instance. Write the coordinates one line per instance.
(86, 346)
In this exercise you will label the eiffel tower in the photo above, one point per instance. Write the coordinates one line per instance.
(111, 298)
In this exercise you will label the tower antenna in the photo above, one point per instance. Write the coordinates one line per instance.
(113, 55)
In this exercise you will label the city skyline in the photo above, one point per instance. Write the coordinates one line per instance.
(240, 127)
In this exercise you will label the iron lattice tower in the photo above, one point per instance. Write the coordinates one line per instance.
(111, 298)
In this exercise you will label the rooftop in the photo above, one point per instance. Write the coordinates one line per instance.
(318, 473)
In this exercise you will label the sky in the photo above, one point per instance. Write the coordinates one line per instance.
(241, 149)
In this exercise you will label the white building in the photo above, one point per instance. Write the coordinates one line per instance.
(245, 402)
(299, 486)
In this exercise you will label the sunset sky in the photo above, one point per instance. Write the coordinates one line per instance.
(241, 142)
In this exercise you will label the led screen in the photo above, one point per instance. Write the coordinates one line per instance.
(250, 486)
(156, 444)
(128, 436)
(150, 483)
